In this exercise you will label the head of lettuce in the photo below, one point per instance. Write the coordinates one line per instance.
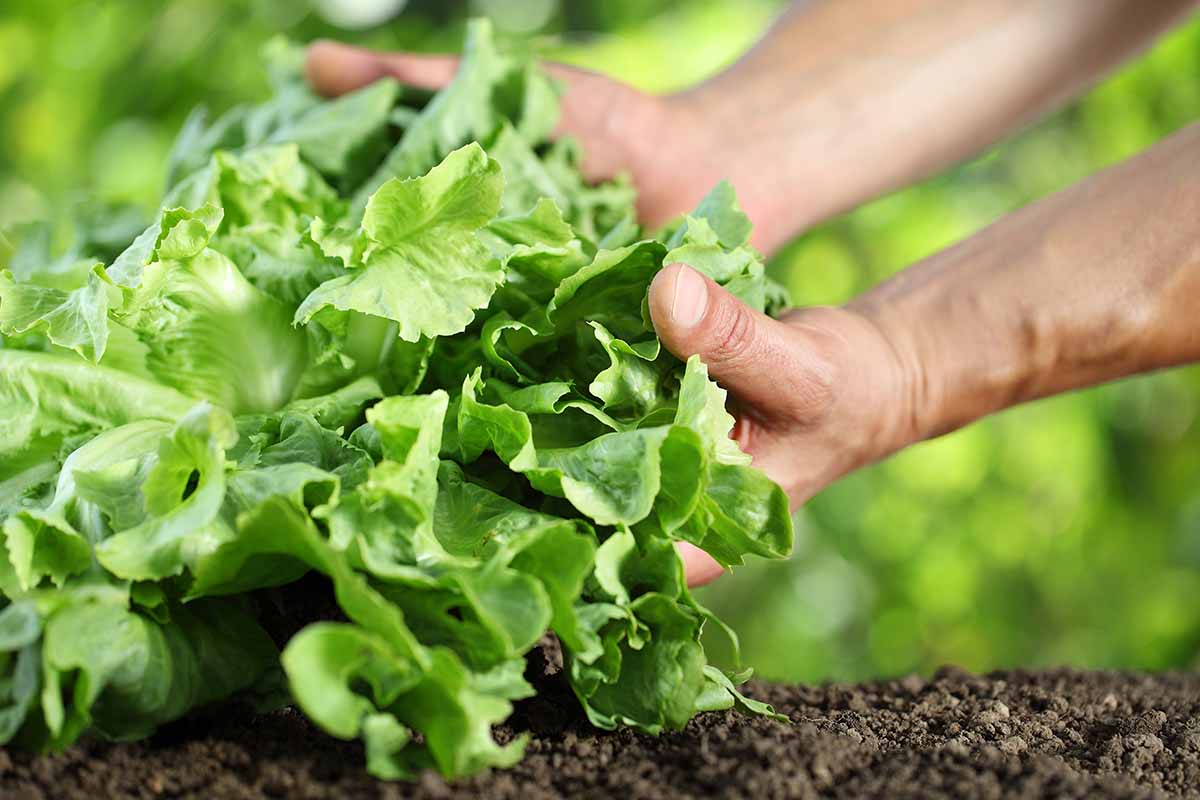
(402, 346)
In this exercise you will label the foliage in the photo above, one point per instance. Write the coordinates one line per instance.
(1063, 532)
(184, 428)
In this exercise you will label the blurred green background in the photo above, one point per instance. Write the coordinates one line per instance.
(1065, 532)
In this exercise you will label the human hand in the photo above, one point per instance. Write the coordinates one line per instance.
(816, 394)
(622, 130)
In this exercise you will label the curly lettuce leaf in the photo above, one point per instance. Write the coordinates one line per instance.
(330, 135)
(48, 399)
(130, 673)
(211, 334)
(182, 495)
(101, 477)
(73, 318)
(423, 266)
(463, 112)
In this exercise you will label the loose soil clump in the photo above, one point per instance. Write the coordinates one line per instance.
(1006, 734)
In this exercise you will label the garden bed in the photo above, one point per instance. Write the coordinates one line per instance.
(1006, 734)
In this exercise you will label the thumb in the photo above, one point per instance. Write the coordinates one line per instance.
(758, 359)
(334, 68)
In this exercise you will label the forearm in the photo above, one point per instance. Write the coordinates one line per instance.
(1092, 284)
(846, 99)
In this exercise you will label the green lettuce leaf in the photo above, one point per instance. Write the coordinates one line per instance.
(422, 265)
(188, 311)
(75, 318)
(182, 494)
(47, 399)
(461, 113)
(329, 135)
(131, 673)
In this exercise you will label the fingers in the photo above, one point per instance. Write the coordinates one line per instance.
(698, 565)
(758, 359)
(334, 68)
(588, 109)
(421, 71)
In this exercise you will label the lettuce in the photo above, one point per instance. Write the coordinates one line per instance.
(403, 347)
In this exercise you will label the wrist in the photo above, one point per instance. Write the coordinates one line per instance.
(903, 388)
(873, 392)
(962, 347)
(906, 406)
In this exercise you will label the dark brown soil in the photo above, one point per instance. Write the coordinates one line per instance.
(1007, 734)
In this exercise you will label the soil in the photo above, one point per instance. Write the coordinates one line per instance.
(1006, 734)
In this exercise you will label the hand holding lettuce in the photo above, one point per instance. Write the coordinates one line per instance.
(407, 348)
